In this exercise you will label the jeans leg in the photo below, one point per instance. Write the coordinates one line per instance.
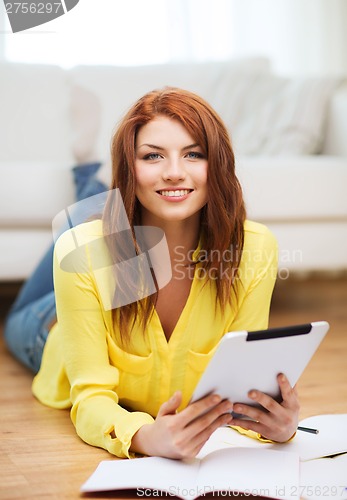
(26, 330)
(38, 285)
(85, 183)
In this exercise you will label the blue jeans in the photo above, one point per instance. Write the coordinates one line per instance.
(28, 321)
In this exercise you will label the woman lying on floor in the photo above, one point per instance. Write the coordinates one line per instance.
(124, 356)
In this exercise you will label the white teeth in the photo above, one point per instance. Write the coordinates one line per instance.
(178, 192)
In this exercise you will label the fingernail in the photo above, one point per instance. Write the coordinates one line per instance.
(252, 394)
(216, 399)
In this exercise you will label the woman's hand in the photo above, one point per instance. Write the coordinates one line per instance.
(183, 434)
(277, 421)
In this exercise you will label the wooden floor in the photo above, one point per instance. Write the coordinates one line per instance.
(41, 456)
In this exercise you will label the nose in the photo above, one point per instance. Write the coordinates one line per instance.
(174, 170)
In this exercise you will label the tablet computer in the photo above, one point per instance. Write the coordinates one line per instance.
(252, 360)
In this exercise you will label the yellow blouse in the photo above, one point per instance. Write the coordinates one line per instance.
(113, 389)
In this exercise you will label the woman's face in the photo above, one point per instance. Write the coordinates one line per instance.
(171, 172)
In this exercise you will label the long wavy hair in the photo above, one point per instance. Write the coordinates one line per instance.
(222, 218)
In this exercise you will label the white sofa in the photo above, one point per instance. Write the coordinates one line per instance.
(289, 138)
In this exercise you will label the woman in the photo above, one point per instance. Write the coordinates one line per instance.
(129, 372)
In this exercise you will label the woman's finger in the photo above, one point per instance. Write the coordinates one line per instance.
(272, 407)
(170, 406)
(200, 439)
(198, 408)
(289, 394)
(207, 419)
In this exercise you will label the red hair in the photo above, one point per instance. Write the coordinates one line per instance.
(222, 218)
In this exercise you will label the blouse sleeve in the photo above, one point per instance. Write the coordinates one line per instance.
(95, 411)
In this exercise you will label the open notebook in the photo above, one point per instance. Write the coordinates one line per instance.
(230, 461)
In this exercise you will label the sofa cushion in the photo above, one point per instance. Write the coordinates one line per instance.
(335, 138)
(279, 116)
(266, 114)
(285, 189)
(21, 250)
(311, 246)
(117, 88)
(34, 113)
(32, 193)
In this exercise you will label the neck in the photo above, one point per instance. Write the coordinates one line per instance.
(182, 236)
(181, 243)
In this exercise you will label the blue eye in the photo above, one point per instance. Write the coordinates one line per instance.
(152, 156)
(194, 155)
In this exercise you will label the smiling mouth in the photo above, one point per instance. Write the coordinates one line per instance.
(175, 193)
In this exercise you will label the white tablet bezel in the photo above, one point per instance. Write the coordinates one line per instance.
(252, 360)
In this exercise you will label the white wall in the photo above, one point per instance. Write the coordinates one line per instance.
(300, 36)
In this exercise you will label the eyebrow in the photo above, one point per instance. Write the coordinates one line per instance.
(153, 146)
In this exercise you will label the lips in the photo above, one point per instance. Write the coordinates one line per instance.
(174, 193)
